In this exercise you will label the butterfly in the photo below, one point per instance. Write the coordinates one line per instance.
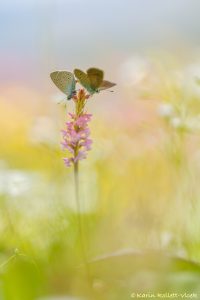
(93, 81)
(65, 81)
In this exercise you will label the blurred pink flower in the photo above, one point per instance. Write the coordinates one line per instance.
(76, 138)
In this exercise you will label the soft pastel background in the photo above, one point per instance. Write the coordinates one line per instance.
(140, 191)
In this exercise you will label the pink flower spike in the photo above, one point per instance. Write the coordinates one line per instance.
(87, 144)
(67, 146)
(64, 132)
(68, 161)
(81, 155)
(76, 137)
(83, 120)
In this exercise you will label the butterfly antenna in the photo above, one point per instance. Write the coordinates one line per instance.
(65, 103)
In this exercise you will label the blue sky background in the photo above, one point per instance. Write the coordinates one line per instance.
(38, 36)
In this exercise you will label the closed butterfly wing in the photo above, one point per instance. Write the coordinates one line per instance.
(106, 85)
(95, 77)
(84, 80)
(65, 81)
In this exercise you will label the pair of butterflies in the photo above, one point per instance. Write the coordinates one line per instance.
(92, 81)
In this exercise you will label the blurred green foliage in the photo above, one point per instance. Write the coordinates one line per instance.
(139, 198)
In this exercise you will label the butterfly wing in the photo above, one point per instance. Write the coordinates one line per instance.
(106, 85)
(65, 81)
(95, 77)
(84, 80)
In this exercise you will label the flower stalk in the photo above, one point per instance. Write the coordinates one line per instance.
(79, 221)
(77, 142)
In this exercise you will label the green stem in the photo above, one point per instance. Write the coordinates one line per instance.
(79, 219)
(7, 261)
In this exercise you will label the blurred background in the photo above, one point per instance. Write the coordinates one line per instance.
(139, 185)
